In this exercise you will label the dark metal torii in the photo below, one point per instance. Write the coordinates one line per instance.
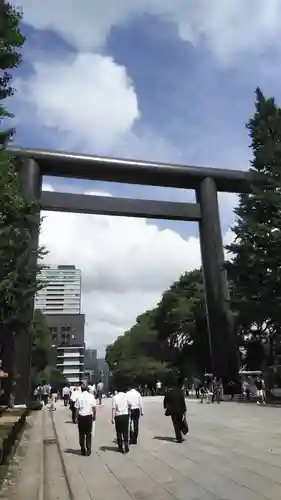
(205, 181)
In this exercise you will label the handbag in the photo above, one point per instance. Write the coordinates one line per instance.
(184, 426)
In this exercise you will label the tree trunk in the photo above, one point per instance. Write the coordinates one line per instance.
(7, 349)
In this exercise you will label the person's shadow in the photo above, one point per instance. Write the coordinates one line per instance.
(71, 451)
(163, 438)
(109, 448)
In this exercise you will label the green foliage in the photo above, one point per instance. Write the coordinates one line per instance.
(255, 268)
(18, 216)
(171, 338)
(11, 40)
(52, 376)
(132, 357)
(18, 251)
(41, 344)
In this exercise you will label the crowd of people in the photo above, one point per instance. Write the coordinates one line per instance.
(128, 407)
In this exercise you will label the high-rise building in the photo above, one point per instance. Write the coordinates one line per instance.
(67, 353)
(62, 293)
(60, 301)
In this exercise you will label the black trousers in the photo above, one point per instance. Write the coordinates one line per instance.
(85, 425)
(45, 399)
(73, 411)
(135, 417)
(177, 422)
(122, 431)
(66, 399)
(99, 396)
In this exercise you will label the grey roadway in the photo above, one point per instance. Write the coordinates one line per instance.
(233, 452)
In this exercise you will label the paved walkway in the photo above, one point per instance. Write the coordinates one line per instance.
(233, 452)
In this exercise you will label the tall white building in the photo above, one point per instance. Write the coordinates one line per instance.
(62, 294)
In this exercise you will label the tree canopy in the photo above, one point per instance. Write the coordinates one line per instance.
(171, 338)
(255, 265)
(11, 41)
(41, 343)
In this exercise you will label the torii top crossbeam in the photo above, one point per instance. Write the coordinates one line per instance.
(100, 168)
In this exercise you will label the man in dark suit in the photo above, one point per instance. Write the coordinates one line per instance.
(174, 404)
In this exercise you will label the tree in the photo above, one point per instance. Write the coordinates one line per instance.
(172, 338)
(19, 219)
(255, 267)
(41, 344)
(11, 40)
(52, 376)
(180, 321)
(133, 357)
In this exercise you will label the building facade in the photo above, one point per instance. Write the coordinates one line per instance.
(91, 359)
(68, 347)
(62, 293)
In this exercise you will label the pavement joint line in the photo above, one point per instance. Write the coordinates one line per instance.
(64, 468)
(114, 475)
(41, 473)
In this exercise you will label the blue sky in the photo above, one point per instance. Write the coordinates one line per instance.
(166, 80)
(194, 106)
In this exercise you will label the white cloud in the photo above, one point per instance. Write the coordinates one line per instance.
(126, 263)
(229, 28)
(88, 100)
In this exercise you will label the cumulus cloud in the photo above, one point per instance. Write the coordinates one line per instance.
(87, 99)
(228, 28)
(126, 265)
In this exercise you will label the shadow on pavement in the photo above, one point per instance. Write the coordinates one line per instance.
(69, 422)
(70, 451)
(109, 448)
(163, 438)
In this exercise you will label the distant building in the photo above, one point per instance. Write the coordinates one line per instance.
(91, 365)
(60, 301)
(68, 345)
(62, 293)
(90, 359)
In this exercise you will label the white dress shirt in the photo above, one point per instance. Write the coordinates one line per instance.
(66, 391)
(74, 395)
(85, 404)
(135, 400)
(120, 404)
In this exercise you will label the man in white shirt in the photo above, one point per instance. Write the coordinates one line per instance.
(120, 417)
(66, 395)
(100, 391)
(74, 395)
(136, 410)
(158, 387)
(86, 414)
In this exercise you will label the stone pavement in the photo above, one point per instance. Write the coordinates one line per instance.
(233, 452)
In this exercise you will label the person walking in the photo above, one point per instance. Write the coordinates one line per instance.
(86, 414)
(158, 387)
(46, 392)
(135, 403)
(73, 398)
(215, 388)
(197, 384)
(66, 395)
(100, 391)
(120, 417)
(260, 385)
(175, 407)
